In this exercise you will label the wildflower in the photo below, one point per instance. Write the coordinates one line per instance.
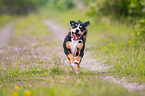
(111, 44)
(16, 87)
(104, 48)
(15, 94)
(27, 92)
(129, 41)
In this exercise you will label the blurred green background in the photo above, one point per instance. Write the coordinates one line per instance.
(106, 7)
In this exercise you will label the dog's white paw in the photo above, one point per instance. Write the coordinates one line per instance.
(77, 72)
(76, 62)
(73, 65)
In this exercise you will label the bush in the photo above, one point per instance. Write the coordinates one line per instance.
(116, 7)
(136, 7)
(63, 4)
(140, 28)
(19, 6)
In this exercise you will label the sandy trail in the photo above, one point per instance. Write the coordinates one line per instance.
(5, 34)
(89, 63)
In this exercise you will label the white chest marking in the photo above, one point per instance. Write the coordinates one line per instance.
(73, 45)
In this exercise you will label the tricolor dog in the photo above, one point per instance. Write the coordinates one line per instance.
(74, 43)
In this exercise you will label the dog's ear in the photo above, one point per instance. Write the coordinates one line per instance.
(86, 23)
(72, 22)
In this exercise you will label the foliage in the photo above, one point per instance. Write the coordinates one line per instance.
(19, 6)
(140, 28)
(62, 4)
(117, 7)
(136, 7)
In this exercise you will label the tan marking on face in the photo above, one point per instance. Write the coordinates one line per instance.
(73, 30)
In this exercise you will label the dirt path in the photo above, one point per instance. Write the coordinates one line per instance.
(5, 34)
(89, 63)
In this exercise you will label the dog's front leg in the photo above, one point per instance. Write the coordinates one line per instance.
(71, 59)
(70, 56)
(78, 58)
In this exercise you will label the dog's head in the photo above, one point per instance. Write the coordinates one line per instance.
(78, 29)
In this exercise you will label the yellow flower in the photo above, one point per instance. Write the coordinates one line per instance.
(111, 44)
(0, 86)
(27, 92)
(15, 94)
(104, 47)
(129, 41)
(16, 87)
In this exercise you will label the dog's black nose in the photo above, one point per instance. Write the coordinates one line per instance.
(77, 30)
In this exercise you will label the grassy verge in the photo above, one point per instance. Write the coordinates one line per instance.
(5, 19)
(28, 67)
(110, 40)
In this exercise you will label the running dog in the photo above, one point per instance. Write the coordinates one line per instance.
(74, 43)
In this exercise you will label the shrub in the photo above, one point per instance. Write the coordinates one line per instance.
(116, 7)
(63, 4)
(19, 6)
(140, 28)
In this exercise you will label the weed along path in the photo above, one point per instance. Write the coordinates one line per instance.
(88, 63)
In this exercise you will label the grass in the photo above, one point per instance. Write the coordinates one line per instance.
(29, 66)
(110, 40)
(56, 81)
(5, 19)
(31, 25)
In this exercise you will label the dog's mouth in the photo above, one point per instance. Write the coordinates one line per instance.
(75, 36)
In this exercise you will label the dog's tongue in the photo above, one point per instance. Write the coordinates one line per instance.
(75, 36)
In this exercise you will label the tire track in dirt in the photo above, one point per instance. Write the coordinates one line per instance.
(89, 63)
(5, 34)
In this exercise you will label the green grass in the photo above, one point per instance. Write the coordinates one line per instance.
(56, 81)
(32, 25)
(5, 19)
(25, 70)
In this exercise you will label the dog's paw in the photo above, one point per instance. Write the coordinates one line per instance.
(77, 72)
(76, 62)
(73, 65)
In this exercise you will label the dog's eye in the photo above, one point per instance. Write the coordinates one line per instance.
(82, 28)
(76, 24)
